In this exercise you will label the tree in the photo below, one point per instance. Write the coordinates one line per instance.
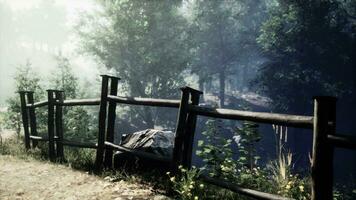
(26, 80)
(144, 41)
(64, 79)
(77, 122)
(224, 33)
(310, 49)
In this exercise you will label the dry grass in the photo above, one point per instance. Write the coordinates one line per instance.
(32, 179)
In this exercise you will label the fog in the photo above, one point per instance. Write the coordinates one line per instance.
(263, 55)
(37, 31)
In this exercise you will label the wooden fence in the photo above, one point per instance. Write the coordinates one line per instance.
(322, 123)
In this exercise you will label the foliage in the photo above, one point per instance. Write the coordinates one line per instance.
(285, 182)
(16, 147)
(277, 178)
(144, 42)
(345, 192)
(79, 125)
(223, 39)
(77, 121)
(246, 138)
(309, 46)
(216, 152)
(187, 184)
(25, 80)
(64, 79)
(79, 158)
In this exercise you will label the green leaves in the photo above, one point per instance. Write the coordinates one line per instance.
(26, 80)
(307, 44)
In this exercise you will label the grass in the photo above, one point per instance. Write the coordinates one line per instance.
(83, 160)
(162, 183)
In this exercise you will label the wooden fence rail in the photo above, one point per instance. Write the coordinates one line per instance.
(262, 117)
(37, 104)
(145, 101)
(322, 123)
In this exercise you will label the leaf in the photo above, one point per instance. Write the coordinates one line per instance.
(200, 143)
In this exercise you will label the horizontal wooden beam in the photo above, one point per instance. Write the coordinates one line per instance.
(39, 138)
(145, 101)
(261, 117)
(247, 192)
(79, 144)
(80, 102)
(37, 104)
(67, 142)
(343, 141)
(138, 153)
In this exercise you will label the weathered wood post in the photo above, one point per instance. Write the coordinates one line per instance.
(111, 122)
(102, 123)
(50, 125)
(190, 129)
(33, 120)
(180, 129)
(59, 124)
(322, 160)
(24, 114)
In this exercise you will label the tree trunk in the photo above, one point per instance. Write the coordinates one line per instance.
(147, 111)
(222, 87)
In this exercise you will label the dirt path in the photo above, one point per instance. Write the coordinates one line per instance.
(21, 179)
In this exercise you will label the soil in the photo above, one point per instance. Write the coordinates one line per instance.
(37, 180)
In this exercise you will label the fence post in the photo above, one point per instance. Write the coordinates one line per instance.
(59, 124)
(102, 123)
(24, 114)
(111, 122)
(33, 121)
(190, 129)
(322, 157)
(50, 125)
(180, 129)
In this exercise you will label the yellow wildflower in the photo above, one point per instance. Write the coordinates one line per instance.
(196, 198)
(301, 188)
(173, 178)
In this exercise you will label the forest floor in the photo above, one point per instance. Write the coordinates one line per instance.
(33, 179)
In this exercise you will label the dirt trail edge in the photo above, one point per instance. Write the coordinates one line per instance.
(21, 179)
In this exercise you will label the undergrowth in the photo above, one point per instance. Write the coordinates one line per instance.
(276, 178)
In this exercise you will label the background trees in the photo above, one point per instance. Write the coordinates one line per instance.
(144, 41)
(310, 50)
(26, 80)
(224, 40)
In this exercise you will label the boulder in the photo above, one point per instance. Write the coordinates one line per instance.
(153, 141)
(150, 140)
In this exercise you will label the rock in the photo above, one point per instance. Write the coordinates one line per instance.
(150, 140)
(153, 141)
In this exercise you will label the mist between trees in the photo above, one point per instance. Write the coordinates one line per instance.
(269, 55)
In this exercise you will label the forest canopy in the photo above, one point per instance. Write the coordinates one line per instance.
(288, 50)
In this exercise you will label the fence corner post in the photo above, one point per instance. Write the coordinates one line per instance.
(177, 157)
(190, 129)
(322, 155)
(111, 122)
(50, 125)
(102, 124)
(59, 124)
(24, 113)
